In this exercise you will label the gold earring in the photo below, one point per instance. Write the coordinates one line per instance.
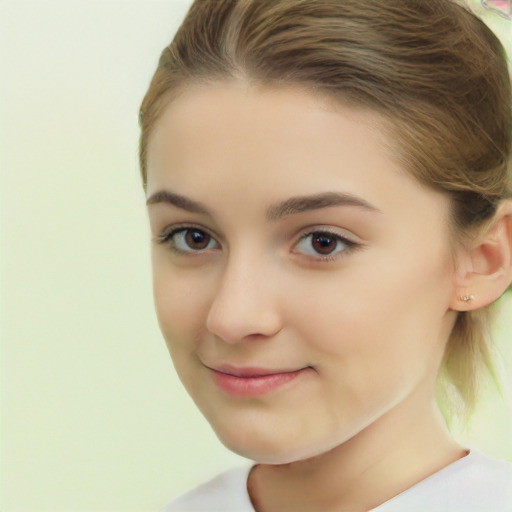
(468, 297)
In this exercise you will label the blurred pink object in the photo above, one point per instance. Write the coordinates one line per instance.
(501, 7)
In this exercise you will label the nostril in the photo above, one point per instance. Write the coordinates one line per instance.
(242, 320)
(244, 305)
(235, 329)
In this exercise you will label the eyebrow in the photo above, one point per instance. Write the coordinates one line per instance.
(301, 204)
(182, 202)
(291, 206)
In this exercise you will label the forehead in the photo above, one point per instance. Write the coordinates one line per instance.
(236, 120)
(274, 142)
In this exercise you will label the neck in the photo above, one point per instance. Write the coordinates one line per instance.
(400, 449)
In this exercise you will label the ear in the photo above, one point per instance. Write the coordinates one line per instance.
(485, 267)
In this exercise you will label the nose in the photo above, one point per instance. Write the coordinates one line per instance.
(245, 305)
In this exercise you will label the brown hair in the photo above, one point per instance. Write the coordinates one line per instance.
(432, 68)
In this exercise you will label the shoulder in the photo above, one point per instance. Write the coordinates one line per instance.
(491, 470)
(483, 479)
(475, 483)
(226, 492)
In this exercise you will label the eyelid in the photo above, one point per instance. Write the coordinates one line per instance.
(351, 241)
(171, 228)
(166, 234)
(332, 230)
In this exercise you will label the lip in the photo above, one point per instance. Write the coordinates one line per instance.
(252, 381)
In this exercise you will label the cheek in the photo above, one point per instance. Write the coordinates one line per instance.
(379, 319)
(181, 305)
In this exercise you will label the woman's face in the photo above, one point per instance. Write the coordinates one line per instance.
(302, 279)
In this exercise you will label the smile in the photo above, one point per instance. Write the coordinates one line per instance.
(252, 382)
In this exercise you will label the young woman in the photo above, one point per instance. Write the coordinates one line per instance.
(329, 193)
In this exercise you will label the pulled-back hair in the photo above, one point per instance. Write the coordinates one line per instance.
(434, 71)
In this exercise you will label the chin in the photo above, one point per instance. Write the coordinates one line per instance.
(272, 449)
(262, 447)
(263, 455)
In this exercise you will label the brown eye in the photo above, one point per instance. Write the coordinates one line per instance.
(324, 243)
(197, 239)
(189, 240)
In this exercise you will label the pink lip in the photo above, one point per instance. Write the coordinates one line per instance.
(252, 381)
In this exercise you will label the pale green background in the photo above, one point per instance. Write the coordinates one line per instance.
(93, 418)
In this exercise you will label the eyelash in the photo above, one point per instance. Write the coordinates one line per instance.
(167, 235)
(350, 245)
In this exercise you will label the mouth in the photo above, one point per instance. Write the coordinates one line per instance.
(253, 381)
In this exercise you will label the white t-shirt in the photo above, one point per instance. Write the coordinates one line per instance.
(474, 483)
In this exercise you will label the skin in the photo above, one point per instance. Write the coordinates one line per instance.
(367, 325)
